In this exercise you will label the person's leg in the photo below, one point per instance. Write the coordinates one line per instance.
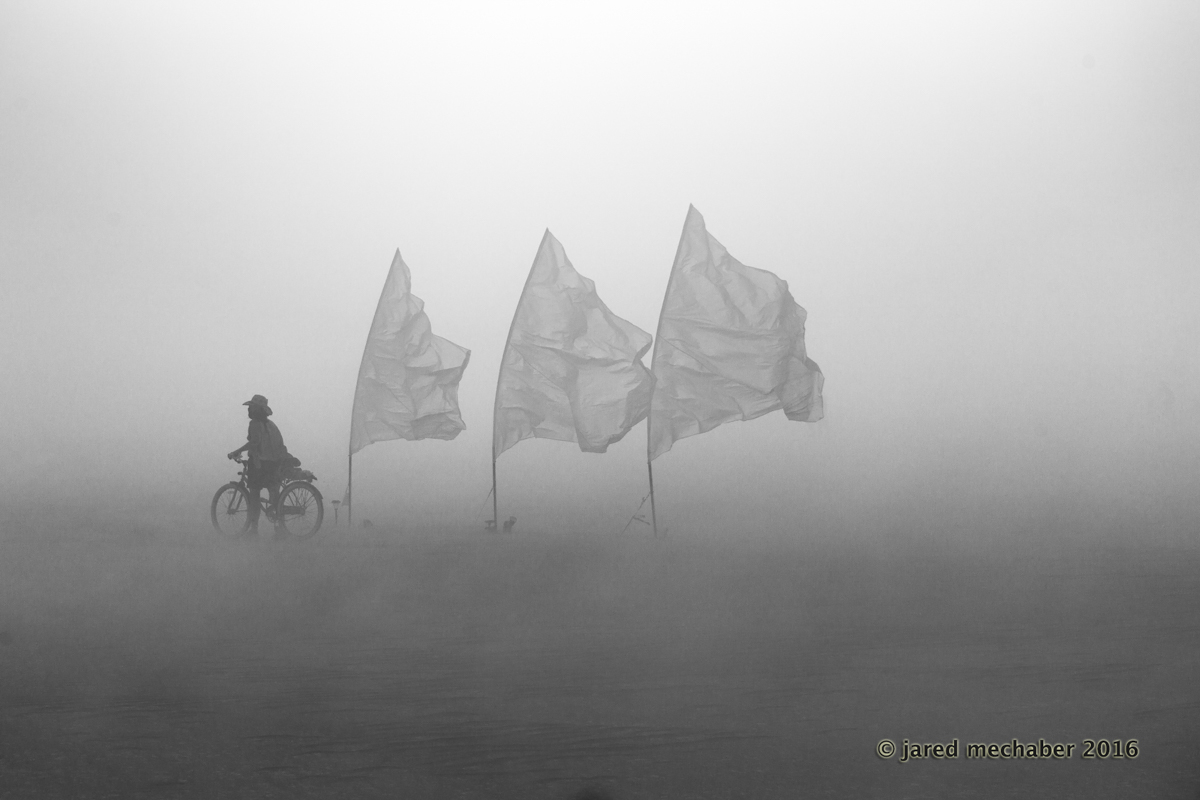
(253, 486)
(271, 481)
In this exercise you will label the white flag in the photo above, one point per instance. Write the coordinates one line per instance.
(571, 369)
(408, 381)
(730, 345)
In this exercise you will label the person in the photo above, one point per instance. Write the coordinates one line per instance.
(267, 455)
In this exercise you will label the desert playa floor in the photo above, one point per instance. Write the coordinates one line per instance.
(156, 662)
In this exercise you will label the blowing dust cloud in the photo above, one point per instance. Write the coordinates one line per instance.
(626, 402)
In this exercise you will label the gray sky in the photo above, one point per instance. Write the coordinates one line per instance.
(989, 211)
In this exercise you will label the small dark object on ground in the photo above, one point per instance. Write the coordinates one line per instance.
(591, 793)
(508, 524)
(366, 523)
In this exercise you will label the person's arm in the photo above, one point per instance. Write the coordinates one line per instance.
(254, 437)
(248, 445)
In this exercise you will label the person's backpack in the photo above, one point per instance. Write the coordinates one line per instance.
(289, 469)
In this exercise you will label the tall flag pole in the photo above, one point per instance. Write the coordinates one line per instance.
(495, 502)
(408, 380)
(729, 346)
(653, 360)
(496, 450)
(571, 369)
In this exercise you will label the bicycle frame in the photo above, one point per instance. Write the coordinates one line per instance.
(268, 508)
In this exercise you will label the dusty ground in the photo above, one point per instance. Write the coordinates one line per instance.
(145, 662)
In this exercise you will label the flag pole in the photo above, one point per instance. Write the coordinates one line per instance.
(650, 473)
(350, 493)
(653, 361)
(635, 514)
(649, 460)
(496, 404)
(653, 511)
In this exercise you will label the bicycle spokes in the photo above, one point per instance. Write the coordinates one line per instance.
(300, 510)
(230, 511)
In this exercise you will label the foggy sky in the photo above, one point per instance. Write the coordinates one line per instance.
(989, 213)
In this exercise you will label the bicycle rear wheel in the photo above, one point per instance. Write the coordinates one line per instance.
(231, 511)
(301, 510)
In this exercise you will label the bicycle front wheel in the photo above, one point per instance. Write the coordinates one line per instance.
(301, 510)
(231, 511)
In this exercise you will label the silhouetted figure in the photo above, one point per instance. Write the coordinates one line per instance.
(508, 524)
(267, 453)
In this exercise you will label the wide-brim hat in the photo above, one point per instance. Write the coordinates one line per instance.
(260, 401)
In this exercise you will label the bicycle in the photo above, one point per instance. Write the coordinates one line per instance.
(299, 510)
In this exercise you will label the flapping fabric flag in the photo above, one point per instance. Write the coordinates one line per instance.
(730, 345)
(572, 369)
(408, 381)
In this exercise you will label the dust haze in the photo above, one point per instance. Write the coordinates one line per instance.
(989, 214)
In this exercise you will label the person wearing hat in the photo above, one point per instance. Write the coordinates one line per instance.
(267, 452)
